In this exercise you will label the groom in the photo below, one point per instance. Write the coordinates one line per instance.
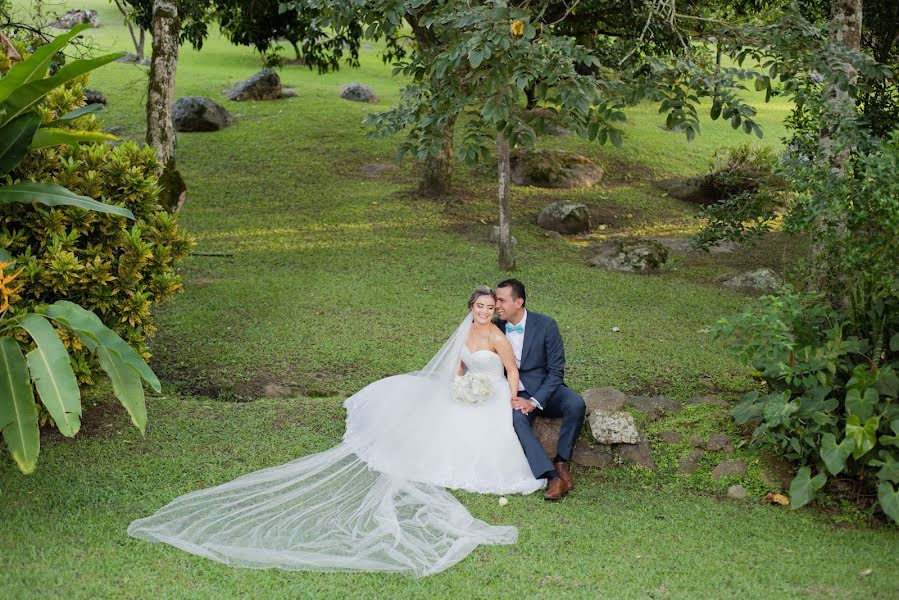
(540, 358)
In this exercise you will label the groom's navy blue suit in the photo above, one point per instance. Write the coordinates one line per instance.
(542, 372)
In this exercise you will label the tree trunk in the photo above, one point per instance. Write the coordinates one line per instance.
(160, 98)
(845, 30)
(506, 258)
(140, 44)
(438, 171)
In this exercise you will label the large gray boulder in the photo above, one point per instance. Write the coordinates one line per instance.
(92, 96)
(76, 17)
(614, 427)
(198, 113)
(606, 399)
(264, 85)
(565, 217)
(761, 280)
(358, 92)
(554, 169)
(630, 256)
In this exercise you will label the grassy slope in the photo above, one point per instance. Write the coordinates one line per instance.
(337, 279)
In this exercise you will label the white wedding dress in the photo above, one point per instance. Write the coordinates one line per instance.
(377, 501)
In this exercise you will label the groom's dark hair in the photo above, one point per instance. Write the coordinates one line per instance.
(517, 289)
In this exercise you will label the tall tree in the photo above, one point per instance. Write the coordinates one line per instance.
(160, 99)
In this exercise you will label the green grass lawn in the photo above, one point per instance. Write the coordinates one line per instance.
(334, 278)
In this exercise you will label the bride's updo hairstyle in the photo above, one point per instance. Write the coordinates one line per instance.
(481, 290)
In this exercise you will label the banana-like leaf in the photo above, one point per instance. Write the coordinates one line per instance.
(83, 322)
(15, 140)
(52, 374)
(74, 114)
(55, 195)
(18, 415)
(24, 97)
(52, 136)
(126, 385)
(35, 66)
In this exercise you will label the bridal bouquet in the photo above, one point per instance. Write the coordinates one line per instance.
(472, 388)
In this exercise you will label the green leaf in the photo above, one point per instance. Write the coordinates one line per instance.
(24, 97)
(894, 343)
(475, 58)
(74, 114)
(834, 455)
(52, 136)
(861, 404)
(804, 487)
(35, 66)
(889, 468)
(615, 138)
(51, 194)
(887, 382)
(93, 333)
(4, 255)
(18, 414)
(52, 374)
(863, 437)
(126, 385)
(15, 140)
(715, 112)
(889, 500)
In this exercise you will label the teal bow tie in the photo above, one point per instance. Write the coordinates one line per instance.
(511, 328)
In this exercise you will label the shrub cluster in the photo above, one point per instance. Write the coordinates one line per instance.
(830, 388)
(115, 267)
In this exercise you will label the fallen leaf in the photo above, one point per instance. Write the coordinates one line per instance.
(777, 499)
(866, 572)
(503, 500)
(616, 329)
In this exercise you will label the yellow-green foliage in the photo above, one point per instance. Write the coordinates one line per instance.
(113, 266)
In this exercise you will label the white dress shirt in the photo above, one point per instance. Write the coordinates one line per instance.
(516, 338)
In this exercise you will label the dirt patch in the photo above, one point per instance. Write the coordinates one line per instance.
(101, 416)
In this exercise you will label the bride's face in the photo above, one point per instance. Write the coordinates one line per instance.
(482, 309)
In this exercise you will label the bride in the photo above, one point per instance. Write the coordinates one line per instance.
(376, 502)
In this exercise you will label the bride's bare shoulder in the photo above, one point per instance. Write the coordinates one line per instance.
(499, 340)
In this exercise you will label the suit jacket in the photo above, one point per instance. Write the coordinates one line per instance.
(542, 368)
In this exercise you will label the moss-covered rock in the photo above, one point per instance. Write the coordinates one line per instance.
(554, 169)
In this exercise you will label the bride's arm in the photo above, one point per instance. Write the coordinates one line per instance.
(502, 347)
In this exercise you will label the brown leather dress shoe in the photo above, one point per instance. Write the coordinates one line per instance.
(562, 468)
(556, 489)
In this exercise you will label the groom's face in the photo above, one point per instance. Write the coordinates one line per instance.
(507, 306)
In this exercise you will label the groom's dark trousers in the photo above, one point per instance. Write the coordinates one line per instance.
(564, 404)
(542, 372)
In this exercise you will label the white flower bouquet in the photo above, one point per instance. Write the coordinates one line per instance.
(472, 388)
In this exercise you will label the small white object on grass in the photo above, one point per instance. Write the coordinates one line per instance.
(503, 500)
(616, 329)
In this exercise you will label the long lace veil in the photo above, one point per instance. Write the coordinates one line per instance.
(443, 366)
(329, 511)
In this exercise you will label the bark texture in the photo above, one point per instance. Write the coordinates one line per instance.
(506, 258)
(160, 99)
(437, 178)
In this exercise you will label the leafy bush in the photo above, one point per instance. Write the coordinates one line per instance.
(749, 192)
(114, 267)
(830, 397)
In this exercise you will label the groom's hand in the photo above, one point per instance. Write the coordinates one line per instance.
(522, 404)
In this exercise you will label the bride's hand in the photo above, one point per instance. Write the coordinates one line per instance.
(519, 403)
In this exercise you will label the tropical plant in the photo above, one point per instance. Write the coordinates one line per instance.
(830, 396)
(47, 368)
(21, 130)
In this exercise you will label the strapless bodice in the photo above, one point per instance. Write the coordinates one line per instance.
(483, 361)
